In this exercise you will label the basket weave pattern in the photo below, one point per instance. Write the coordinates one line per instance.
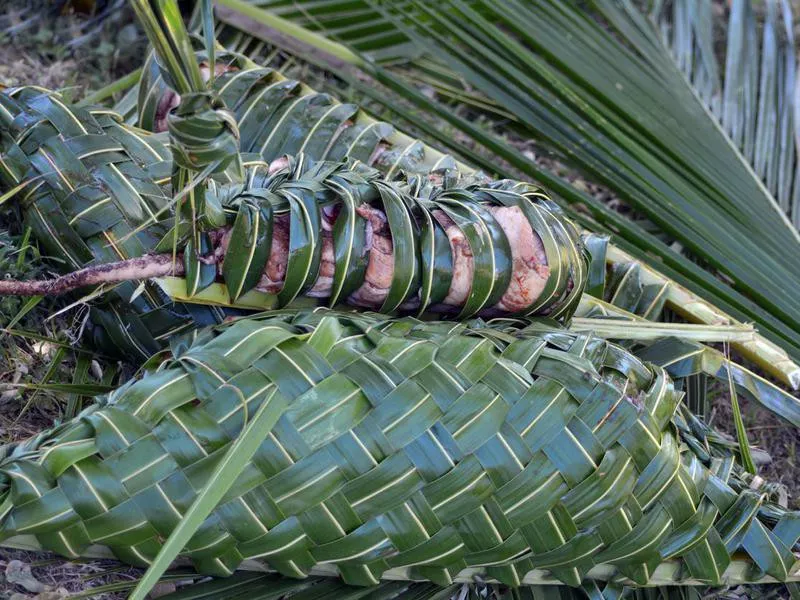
(278, 116)
(424, 447)
(92, 182)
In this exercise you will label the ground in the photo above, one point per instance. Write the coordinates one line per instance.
(111, 49)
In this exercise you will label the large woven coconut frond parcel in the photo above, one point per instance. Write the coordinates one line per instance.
(407, 449)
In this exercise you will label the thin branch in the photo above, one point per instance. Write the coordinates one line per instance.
(142, 267)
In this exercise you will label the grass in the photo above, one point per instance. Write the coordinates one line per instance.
(65, 49)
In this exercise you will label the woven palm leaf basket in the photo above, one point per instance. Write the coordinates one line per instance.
(401, 449)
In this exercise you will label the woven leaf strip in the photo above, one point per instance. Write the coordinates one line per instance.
(93, 182)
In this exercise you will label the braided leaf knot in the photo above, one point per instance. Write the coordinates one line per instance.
(203, 133)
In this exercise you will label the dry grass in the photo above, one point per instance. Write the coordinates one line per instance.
(61, 578)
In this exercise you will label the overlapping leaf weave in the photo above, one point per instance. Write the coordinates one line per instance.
(241, 82)
(87, 193)
(278, 116)
(90, 183)
(247, 27)
(424, 448)
(269, 586)
(425, 266)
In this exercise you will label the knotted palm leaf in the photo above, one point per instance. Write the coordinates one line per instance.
(402, 449)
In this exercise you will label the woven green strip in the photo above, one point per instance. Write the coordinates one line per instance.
(422, 447)
(415, 267)
(278, 116)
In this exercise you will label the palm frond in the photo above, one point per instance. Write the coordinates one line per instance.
(256, 586)
(354, 23)
(81, 230)
(753, 94)
(92, 223)
(630, 296)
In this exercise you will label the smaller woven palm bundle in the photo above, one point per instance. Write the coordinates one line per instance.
(96, 191)
(343, 234)
(90, 185)
(278, 116)
(404, 449)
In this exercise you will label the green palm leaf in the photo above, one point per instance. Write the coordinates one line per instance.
(87, 222)
(256, 586)
(336, 143)
(94, 182)
(756, 99)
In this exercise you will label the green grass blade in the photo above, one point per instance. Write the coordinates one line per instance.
(741, 431)
(29, 305)
(223, 477)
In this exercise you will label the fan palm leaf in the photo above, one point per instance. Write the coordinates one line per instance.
(756, 99)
